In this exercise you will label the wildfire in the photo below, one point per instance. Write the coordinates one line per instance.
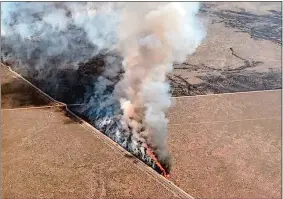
(150, 153)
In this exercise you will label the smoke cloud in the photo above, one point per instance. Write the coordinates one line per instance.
(152, 37)
(74, 32)
(140, 40)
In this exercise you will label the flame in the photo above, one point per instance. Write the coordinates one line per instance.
(150, 153)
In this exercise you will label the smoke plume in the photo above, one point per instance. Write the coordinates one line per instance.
(152, 37)
(126, 95)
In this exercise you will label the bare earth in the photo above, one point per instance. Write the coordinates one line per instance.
(227, 145)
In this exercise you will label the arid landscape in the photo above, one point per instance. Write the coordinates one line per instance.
(224, 130)
(242, 51)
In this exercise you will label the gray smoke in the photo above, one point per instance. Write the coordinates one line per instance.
(152, 38)
(141, 39)
(71, 32)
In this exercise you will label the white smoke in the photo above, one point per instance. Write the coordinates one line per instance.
(60, 29)
(149, 36)
(152, 37)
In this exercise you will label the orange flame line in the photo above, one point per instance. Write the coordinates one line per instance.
(150, 153)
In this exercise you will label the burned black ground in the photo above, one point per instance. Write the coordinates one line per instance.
(259, 26)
